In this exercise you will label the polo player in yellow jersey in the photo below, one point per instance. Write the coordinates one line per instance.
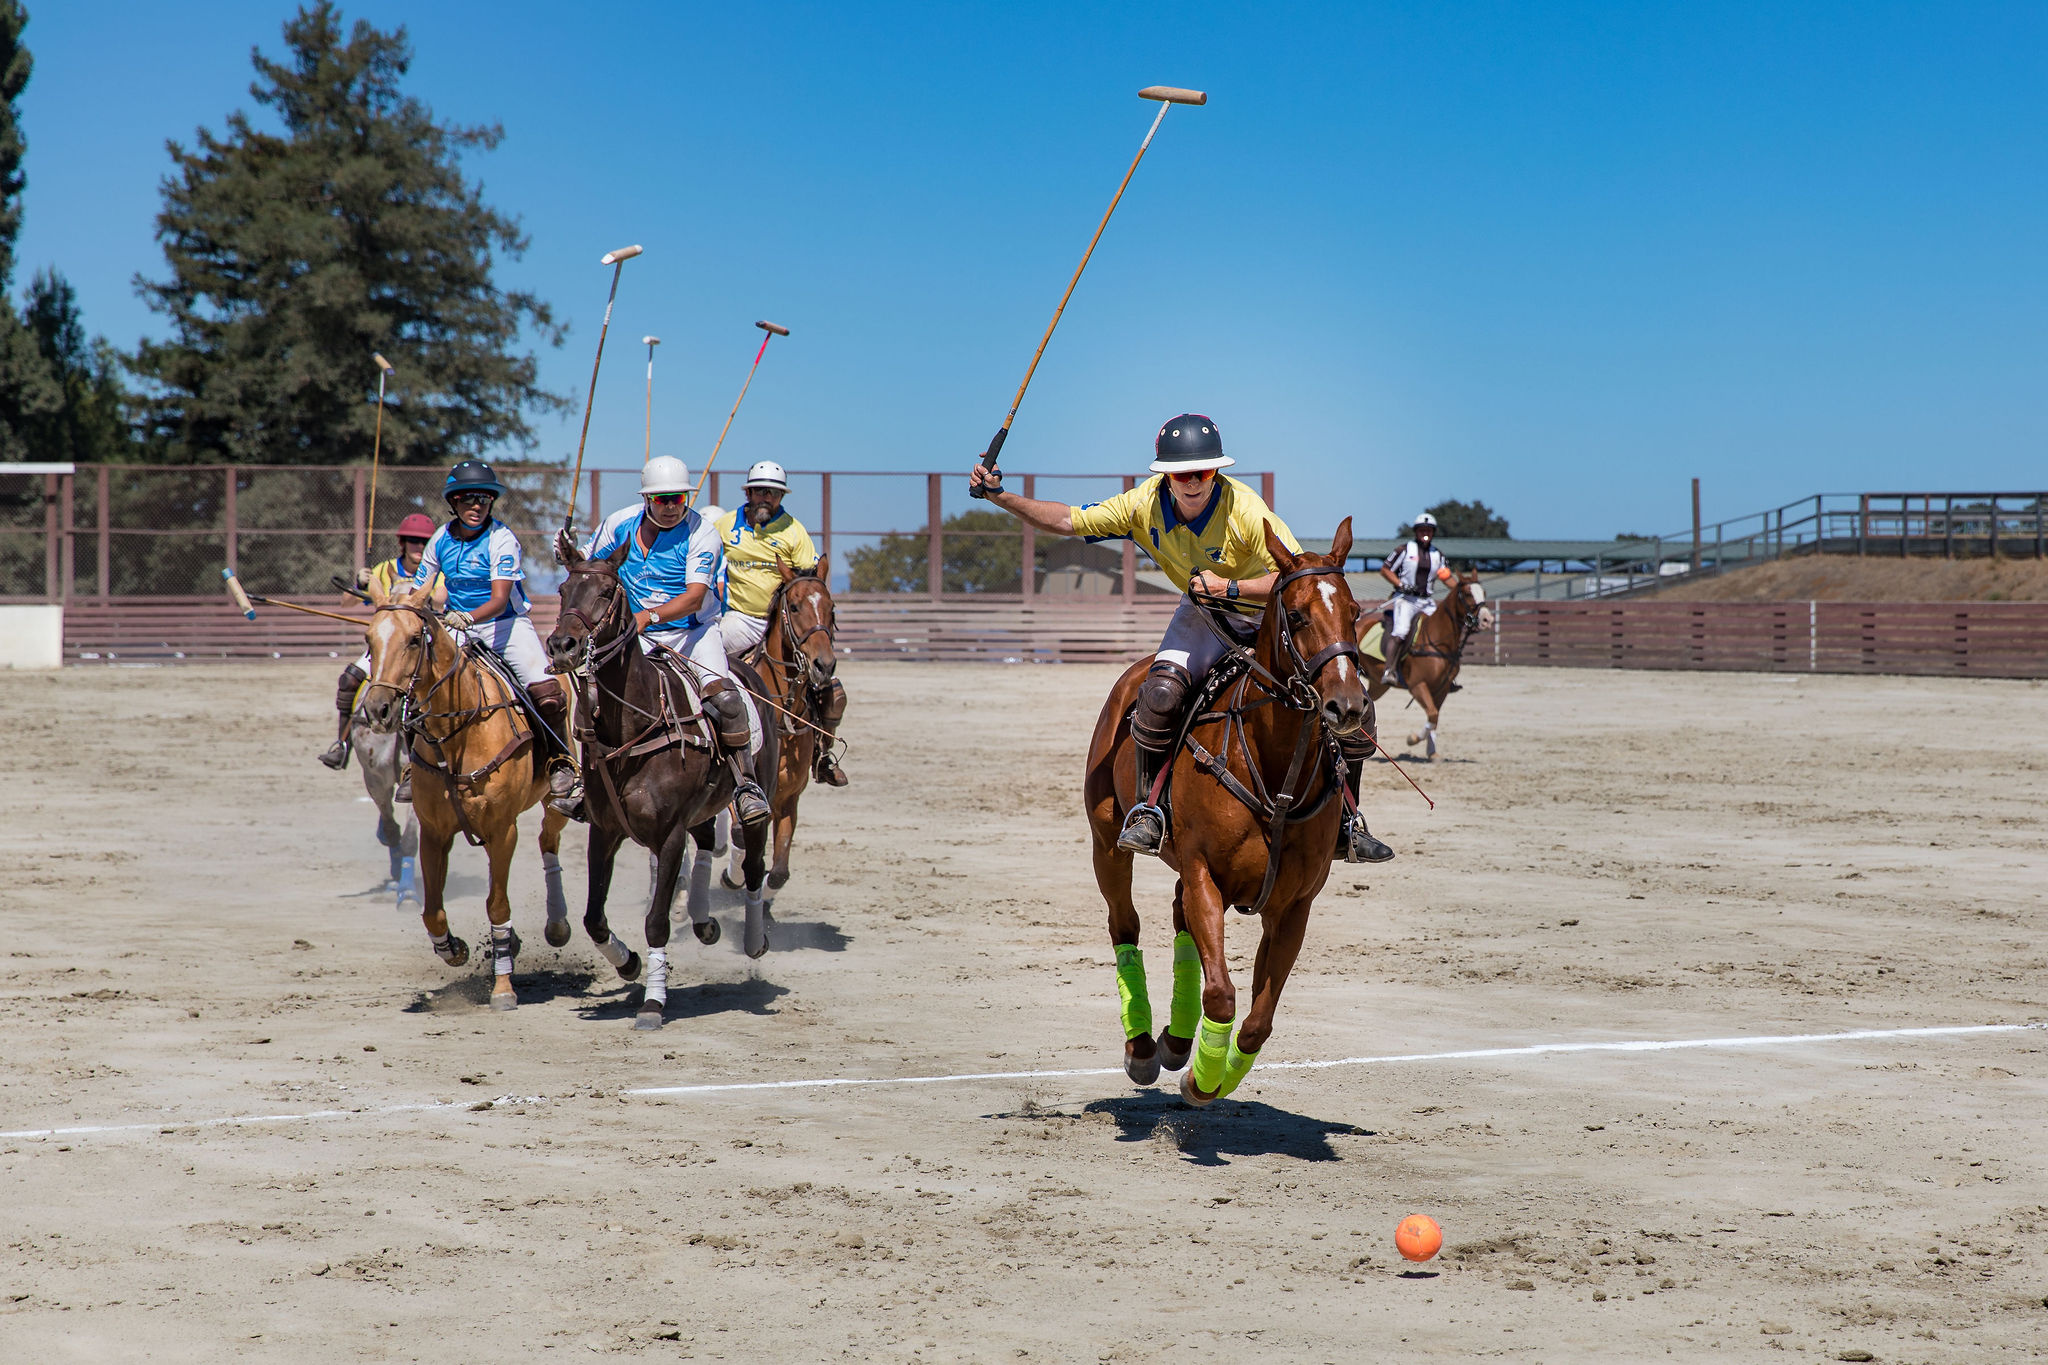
(1207, 532)
(380, 581)
(756, 537)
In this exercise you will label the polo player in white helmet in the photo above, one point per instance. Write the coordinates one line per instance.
(671, 576)
(754, 537)
(1413, 570)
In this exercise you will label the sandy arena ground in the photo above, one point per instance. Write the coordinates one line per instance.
(195, 930)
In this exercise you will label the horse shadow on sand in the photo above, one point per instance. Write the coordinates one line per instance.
(1211, 1136)
(700, 1001)
(472, 990)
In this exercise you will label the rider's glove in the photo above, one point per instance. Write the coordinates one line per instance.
(362, 578)
(460, 619)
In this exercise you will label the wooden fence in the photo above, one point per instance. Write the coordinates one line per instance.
(1954, 639)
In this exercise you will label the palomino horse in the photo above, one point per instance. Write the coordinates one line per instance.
(651, 769)
(1256, 798)
(796, 663)
(476, 765)
(1430, 666)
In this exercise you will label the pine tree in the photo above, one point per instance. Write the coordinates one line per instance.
(29, 392)
(294, 255)
(90, 425)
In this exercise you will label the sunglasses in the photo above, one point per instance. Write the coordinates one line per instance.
(1194, 476)
(665, 499)
(473, 499)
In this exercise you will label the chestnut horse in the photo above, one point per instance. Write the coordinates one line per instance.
(1429, 667)
(476, 765)
(651, 770)
(1256, 798)
(796, 664)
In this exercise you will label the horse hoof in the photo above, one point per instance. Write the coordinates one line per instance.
(457, 953)
(631, 971)
(1173, 1052)
(1414, 740)
(504, 997)
(1190, 1093)
(725, 880)
(558, 933)
(708, 932)
(648, 1019)
(777, 880)
(762, 949)
(1141, 1070)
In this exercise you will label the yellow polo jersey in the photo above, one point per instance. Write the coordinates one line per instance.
(1228, 539)
(751, 577)
(389, 579)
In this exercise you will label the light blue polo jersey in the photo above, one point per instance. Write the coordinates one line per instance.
(470, 567)
(686, 553)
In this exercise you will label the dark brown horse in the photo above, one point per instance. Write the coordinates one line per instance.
(651, 769)
(476, 764)
(796, 665)
(1255, 803)
(1429, 667)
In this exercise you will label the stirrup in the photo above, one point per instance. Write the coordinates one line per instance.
(569, 800)
(828, 771)
(1391, 677)
(1356, 844)
(336, 754)
(1144, 830)
(752, 802)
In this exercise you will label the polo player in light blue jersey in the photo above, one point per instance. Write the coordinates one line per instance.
(670, 576)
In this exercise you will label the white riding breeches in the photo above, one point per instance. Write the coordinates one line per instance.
(1403, 608)
(741, 632)
(515, 641)
(703, 646)
(1190, 643)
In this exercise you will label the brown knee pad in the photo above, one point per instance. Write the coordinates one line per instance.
(729, 715)
(1156, 722)
(831, 704)
(553, 705)
(345, 689)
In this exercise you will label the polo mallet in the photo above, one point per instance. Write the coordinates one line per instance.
(384, 372)
(617, 261)
(773, 332)
(248, 602)
(648, 453)
(1165, 94)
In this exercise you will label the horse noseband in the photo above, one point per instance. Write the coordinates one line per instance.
(1307, 669)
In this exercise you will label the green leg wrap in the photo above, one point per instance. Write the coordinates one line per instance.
(1210, 1047)
(1236, 1066)
(1130, 988)
(1187, 986)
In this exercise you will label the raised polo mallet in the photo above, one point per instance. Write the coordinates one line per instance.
(384, 372)
(773, 331)
(247, 603)
(1165, 94)
(648, 453)
(617, 261)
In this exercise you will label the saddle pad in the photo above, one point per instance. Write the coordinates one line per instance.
(1373, 646)
(677, 668)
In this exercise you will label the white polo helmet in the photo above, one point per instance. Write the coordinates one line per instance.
(664, 474)
(1425, 520)
(767, 474)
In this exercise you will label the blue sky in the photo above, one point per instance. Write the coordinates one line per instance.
(1559, 257)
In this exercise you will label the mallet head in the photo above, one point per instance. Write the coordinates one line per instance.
(773, 327)
(624, 253)
(382, 363)
(650, 341)
(235, 591)
(1173, 94)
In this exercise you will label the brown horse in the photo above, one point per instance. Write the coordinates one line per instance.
(1429, 667)
(796, 664)
(476, 765)
(651, 769)
(1256, 798)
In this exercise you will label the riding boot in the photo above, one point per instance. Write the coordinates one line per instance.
(1155, 728)
(1355, 843)
(336, 754)
(565, 783)
(831, 708)
(729, 713)
(1396, 647)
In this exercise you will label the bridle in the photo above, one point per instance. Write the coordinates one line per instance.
(784, 607)
(1296, 691)
(596, 655)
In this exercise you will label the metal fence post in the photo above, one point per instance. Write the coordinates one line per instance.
(106, 556)
(1948, 527)
(825, 515)
(67, 490)
(1129, 581)
(1994, 526)
(1028, 579)
(228, 514)
(596, 502)
(1695, 525)
(934, 544)
(1266, 486)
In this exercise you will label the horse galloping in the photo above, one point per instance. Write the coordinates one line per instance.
(1257, 795)
(1429, 667)
(652, 770)
(477, 764)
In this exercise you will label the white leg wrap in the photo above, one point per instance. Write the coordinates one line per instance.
(657, 976)
(615, 951)
(501, 943)
(700, 886)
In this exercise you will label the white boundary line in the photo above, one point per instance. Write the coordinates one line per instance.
(833, 1082)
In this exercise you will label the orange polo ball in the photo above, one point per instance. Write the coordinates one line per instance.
(1418, 1238)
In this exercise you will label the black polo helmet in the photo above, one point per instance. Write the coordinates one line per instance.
(472, 476)
(1187, 443)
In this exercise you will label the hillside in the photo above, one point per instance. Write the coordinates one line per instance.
(1847, 578)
